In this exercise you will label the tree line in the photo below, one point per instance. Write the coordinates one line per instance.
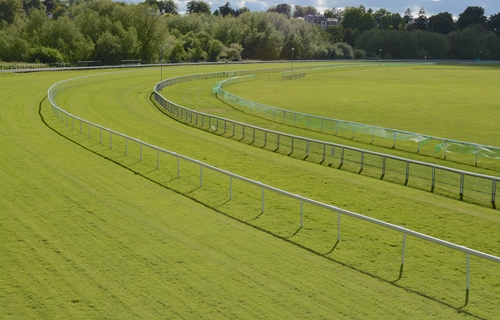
(52, 31)
(392, 35)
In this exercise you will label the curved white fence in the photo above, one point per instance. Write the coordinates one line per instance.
(475, 187)
(70, 120)
(335, 126)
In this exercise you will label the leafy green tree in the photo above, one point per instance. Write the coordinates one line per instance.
(300, 11)
(151, 32)
(226, 10)
(227, 30)
(91, 25)
(177, 54)
(493, 24)
(285, 9)
(34, 26)
(13, 46)
(328, 13)
(367, 22)
(168, 6)
(30, 5)
(408, 16)
(421, 22)
(63, 35)
(350, 36)
(10, 10)
(191, 22)
(233, 52)
(469, 42)
(355, 22)
(55, 7)
(393, 21)
(243, 10)
(215, 49)
(379, 15)
(358, 19)
(336, 33)
(259, 36)
(432, 45)
(398, 44)
(198, 7)
(442, 23)
(471, 15)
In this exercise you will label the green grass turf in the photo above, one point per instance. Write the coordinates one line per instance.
(128, 110)
(86, 238)
(460, 103)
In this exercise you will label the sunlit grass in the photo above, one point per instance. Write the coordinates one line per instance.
(86, 237)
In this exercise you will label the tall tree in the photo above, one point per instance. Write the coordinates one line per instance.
(29, 5)
(393, 21)
(474, 42)
(471, 15)
(493, 24)
(336, 33)
(9, 10)
(333, 13)
(285, 9)
(150, 31)
(300, 11)
(226, 10)
(442, 23)
(380, 14)
(168, 6)
(198, 7)
(242, 10)
(328, 13)
(421, 22)
(408, 16)
(356, 19)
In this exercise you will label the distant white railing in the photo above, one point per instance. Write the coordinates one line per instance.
(462, 183)
(335, 126)
(70, 120)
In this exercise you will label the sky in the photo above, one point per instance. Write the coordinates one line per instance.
(455, 7)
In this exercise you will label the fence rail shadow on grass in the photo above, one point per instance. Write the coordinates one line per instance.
(78, 123)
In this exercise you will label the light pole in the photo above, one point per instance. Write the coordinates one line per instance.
(380, 50)
(479, 55)
(161, 67)
(293, 49)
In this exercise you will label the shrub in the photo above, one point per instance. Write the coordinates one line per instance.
(45, 55)
(343, 51)
(359, 54)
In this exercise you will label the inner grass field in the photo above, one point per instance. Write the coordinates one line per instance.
(460, 103)
(87, 237)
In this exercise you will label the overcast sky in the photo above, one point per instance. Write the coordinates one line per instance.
(431, 7)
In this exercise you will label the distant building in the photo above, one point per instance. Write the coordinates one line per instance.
(322, 21)
(315, 18)
(329, 22)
